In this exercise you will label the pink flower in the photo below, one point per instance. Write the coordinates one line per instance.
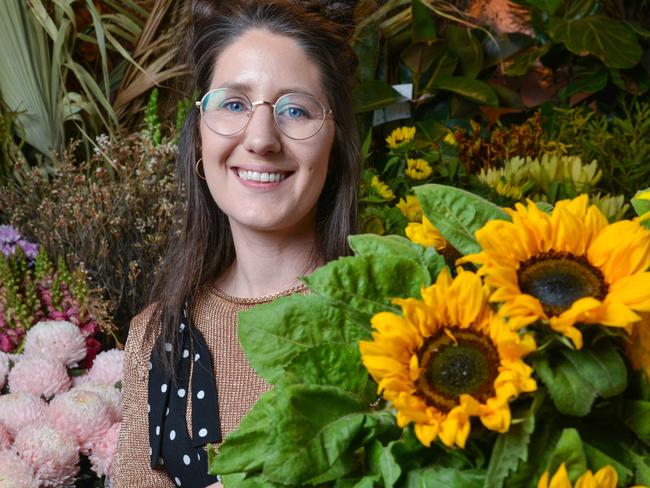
(111, 395)
(39, 376)
(101, 456)
(4, 368)
(93, 346)
(84, 414)
(15, 472)
(5, 438)
(19, 409)
(51, 452)
(58, 340)
(107, 368)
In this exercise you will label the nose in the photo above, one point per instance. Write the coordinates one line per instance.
(261, 135)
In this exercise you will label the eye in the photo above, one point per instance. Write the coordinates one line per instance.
(294, 112)
(233, 106)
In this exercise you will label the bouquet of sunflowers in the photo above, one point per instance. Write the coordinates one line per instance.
(494, 348)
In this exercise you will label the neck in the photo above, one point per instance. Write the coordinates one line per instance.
(266, 262)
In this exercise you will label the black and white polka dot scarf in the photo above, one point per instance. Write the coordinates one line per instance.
(182, 456)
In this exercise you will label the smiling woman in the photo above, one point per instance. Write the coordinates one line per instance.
(269, 165)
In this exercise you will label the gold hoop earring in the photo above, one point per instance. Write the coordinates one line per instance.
(196, 169)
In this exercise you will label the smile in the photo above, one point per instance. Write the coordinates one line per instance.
(261, 177)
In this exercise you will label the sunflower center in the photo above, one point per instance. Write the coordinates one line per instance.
(462, 362)
(557, 279)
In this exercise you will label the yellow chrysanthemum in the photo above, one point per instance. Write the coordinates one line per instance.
(410, 208)
(417, 169)
(638, 345)
(604, 478)
(448, 358)
(426, 234)
(400, 136)
(382, 189)
(566, 268)
(450, 139)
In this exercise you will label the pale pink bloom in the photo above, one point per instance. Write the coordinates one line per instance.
(4, 368)
(103, 450)
(84, 414)
(111, 395)
(19, 409)
(107, 368)
(15, 472)
(56, 339)
(39, 376)
(5, 438)
(51, 452)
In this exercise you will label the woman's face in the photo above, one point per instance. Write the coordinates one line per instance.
(264, 66)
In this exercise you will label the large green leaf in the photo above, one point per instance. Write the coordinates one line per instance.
(383, 461)
(571, 393)
(504, 46)
(457, 214)
(475, 91)
(509, 449)
(372, 95)
(590, 80)
(637, 418)
(272, 334)
(419, 56)
(437, 477)
(367, 284)
(613, 41)
(423, 28)
(374, 245)
(367, 49)
(547, 6)
(464, 44)
(569, 451)
(314, 436)
(597, 459)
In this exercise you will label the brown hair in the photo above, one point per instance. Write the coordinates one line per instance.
(204, 248)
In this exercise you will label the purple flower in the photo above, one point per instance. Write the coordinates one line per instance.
(30, 249)
(8, 235)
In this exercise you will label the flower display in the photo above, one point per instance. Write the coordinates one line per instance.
(15, 472)
(107, 368)
(5, 438)
(59, 339)
(605, 477)
(447, 359)
(382, 189)
(400, 136)
(425, 233)
(103, 449)
(418, 169)
(52, 453)
(10, 239)
(410, 208)
(566, 268)
(111, 396)
(20, 409)
(39, 376)
(4, 368)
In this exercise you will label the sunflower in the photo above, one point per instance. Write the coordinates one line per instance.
(565, 268)
(426, 234)
(418, 169)
(410, 208)
(382, 189)
(605, 477)
(399, 136)
(448, 358)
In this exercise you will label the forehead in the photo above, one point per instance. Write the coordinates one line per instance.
(265, 64)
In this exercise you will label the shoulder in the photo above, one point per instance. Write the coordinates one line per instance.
(143, 331)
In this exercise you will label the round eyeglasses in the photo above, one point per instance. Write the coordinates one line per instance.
(227, 112)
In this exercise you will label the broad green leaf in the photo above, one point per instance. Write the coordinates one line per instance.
(372, 245)
(457, 214)
(569, 451)
(245, 449)
(444, 68)
(330, 364)
(475, 91)
(423, 28)
(464, 44)
(637, 418)
(367, 284)
(272, 334)
(547, 6)
(642, 468)
(641, 202)
(506, 46)
(239, 480)
(366, 48)
(436, 477)
(611, 40)
(372, 95)
(571, 393)
(508, 97)
(601, 366)
(382, 461)
(520, 64)
(509, 449)
(592, 81)
(597, 459)
(419, 56)
(314, 436)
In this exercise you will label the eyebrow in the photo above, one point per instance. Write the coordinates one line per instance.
(245, 87)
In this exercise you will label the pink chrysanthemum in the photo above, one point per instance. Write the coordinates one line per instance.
(15, 472)
(4, 368)
(39, 376)
(56, 339)
(101, 456)
(107, 368)
(5, 437)
(51, 452)
(83, 414)
(111, 395)
(19, 409)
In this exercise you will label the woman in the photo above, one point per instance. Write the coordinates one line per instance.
(269, 163)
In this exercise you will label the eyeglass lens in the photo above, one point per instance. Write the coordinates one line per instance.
(297, 115)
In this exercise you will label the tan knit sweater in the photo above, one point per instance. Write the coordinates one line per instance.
(238, 386)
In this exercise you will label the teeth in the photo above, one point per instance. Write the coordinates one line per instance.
(262, 177)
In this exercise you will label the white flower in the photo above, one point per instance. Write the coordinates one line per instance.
(56, 339)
